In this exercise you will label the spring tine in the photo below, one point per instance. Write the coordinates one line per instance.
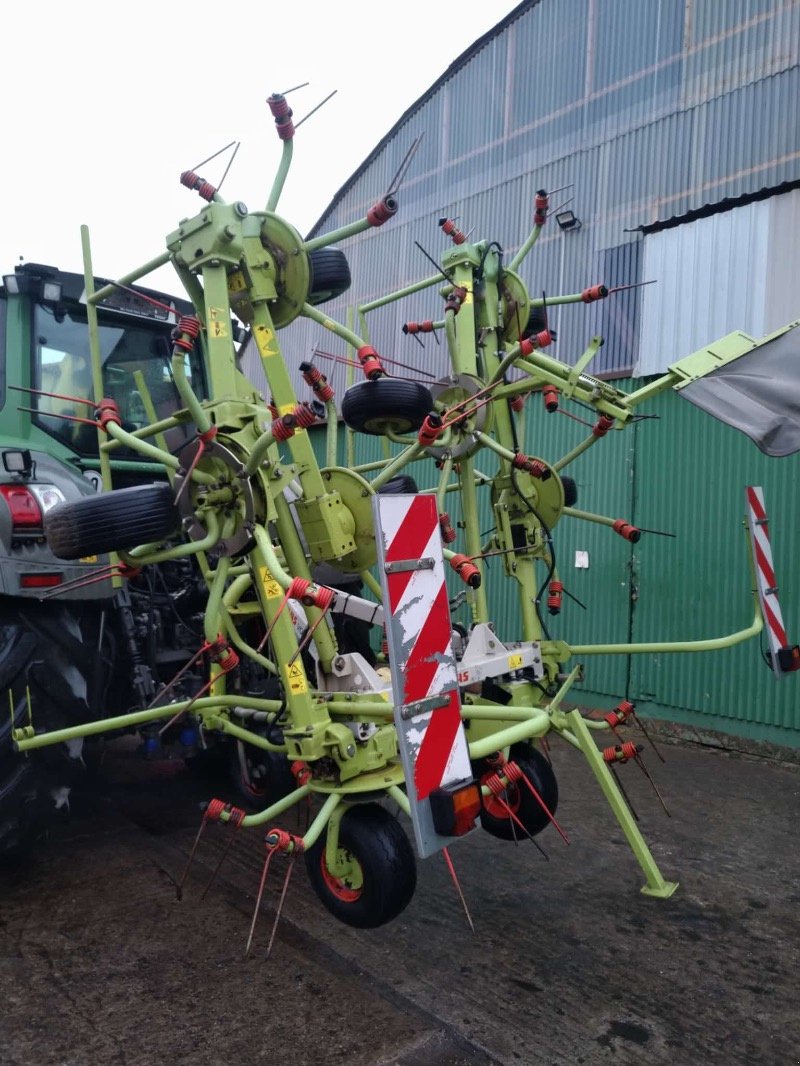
(280, 902)
(545, 808)
(451, 868)
(222, 859)
(264, 873)
(623, 792)
(190, 860)
(646, 772)
(647, 735)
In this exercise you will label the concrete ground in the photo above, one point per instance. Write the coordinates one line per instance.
(569, 963)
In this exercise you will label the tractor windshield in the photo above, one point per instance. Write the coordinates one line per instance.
(137, 370)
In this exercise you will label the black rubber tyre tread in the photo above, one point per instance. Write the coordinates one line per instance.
(537, 321)
(389, 868)
(386, 403)
(112, 521)
(36, 657)
(330, 275)
(402, 484)
(540, 773)
(570, 491)
(275, 780)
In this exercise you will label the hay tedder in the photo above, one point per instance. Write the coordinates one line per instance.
(451, 723)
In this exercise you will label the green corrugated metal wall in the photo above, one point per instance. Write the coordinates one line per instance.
(684, 473)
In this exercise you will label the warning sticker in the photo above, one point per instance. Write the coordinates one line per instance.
(514, 662)
(88, 559)
(265, 341)
(236, 282)
(272, 589)
(295, 678)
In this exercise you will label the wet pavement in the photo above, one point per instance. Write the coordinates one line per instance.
(569, 963)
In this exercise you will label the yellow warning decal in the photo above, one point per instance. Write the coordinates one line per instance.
(286, 409)
(236, 282)
(514, 662)
(296, 678)
(272, 589)
(217, 323)
(88, 559)
(265, 341)
(468, 297)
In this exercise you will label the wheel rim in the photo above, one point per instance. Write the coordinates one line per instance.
(348, 889)
(510, 800)
(246, 765)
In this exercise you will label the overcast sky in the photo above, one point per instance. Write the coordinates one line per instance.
(108, 103)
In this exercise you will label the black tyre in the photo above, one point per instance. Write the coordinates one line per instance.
(49, 657)
(112, 521)
(496, 820)
(383, 870)
(570, 491)
(386, 405)
(399, 486)
(259, 778)
(330, 275)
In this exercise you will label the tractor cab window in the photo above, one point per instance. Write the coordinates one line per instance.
(137, 373)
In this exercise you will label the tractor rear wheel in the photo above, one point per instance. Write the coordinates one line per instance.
(381, 869)
(112, 521)
(50, 664)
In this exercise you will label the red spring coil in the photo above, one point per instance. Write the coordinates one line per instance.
(455, 299)
(199, 185)
(214, 809)
(550, 397)
(594, 292)
(466, 570)
(298, 590)
(273, 408)
(280, 840)
(446, 528)
(452, 231)
(382, 211)
(225, 657)
(419, 327)
(603, 424)
(518, 402)
(314, 377)
(533, 466)
(282, 114)
(127, 571)
(621, 752)
(370, 362)
(385, 646)
(538, 340)
(107, 411)
(236, 815)
(620, 714)
(185, 333)
(208, 434)
(304, 415)
(301, 772)
(540, 205)
(627, 531)
(283, 428)
(554, 597)
(430, 430)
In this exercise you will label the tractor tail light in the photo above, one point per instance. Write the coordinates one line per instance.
(455, 808)
(40, 581)
(26, 514)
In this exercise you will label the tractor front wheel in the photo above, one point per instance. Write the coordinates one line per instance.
(378, 872)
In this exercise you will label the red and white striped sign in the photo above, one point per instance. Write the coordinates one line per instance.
(433, 745)
(765, 573)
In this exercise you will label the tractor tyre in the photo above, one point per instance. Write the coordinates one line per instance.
(383, 870)
(495, 818)
(112, 521)
(330, 275)
(50, 665)
(385, 405)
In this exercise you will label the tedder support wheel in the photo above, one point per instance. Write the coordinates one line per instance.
(330, 275)
(386, 405)
(381, 869)
(570, 491)
(495, 818)
(112, 521)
